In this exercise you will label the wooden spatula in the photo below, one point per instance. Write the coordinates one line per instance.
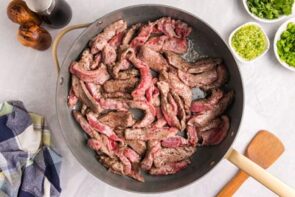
(264, 149)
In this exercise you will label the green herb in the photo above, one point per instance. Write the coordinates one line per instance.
(270, 9)
(286, 45)
(249, 42)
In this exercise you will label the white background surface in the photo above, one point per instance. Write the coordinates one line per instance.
(30, 76)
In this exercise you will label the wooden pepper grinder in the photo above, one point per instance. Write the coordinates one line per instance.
(55, 13)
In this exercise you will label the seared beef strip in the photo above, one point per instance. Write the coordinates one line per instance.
(214, 136)
(83, 94)
(102, 128)
(205, 117)
(117, 119)
(128, 74)
(202, 105)
(120, 95)
(168, 155)
(153, 59)
(120, 85)
(130, 34)
(153, 147)
(178, 87)
(72, 99)
(149, 113)
(150, 133)
(170, 168)
(198, 80)
(156, 43)
(99, 42)
(143, 36)
(109, 54)
(169, 109)
(145, 80)
(204, 64)
(174, 142)
(98, 76)
(138, 146)
(222, 77)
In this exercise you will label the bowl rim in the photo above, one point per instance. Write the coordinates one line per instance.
(265, 20)
(234, 51)
(278, 34)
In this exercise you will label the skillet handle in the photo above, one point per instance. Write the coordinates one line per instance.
(258, 173)
(58, 38)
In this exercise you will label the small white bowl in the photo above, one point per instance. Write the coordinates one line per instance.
(234, 51)
(279, 32)
(265, 20)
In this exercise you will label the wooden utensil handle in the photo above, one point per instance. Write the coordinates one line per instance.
(258, 173)
(58, 38)
(231, 187)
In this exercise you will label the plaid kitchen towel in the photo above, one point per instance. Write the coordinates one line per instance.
(28, 166)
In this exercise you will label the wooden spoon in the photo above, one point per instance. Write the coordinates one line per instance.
(264, 149)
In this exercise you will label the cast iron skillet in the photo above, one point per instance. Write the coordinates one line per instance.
(206, 42)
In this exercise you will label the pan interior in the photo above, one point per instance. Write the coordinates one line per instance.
(206, 42)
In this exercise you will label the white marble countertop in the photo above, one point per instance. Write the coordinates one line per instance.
(30, 76)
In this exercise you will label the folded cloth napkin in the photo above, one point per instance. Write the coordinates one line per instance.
(28, 166)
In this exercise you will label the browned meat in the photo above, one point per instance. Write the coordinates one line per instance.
(145, 78)
(153, 59)
(99, 42)
(202, 105)
(98, 76)
(169, 109)
(143, 36)
(114, 104)
(138, 146)
(117, 40)
(180, 111)
(204, 65)
(130, 34)
(170, 168)
(176, 61)
(174, 142)
(123, 64)
(170, 155)
(182, 30)
(109, 54)
(176, 45)
(117, 119)
(83, 94)
(209, 115)
(166, 25)
(178, 87)
(221, 79)
(96, 62)
(128, 74)
(84, 125)
(101, 127)
(149, 113)
(120, 85)
(214, 136)
(119, 95)
(198, 80)
(86, 59)
(150, 133)
(153, 147)
(72, 99)
(94, 90)
(156, 43)
(131, 155)
(118, 167)
(192, 135)
(161, 121)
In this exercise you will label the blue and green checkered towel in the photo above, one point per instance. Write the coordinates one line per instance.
(28, 166)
